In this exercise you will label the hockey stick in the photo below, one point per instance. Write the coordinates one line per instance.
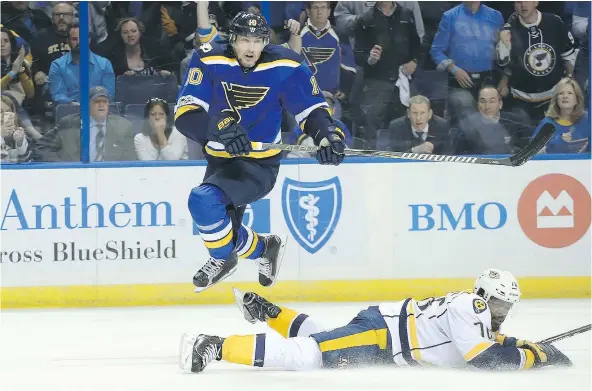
(567, 334)
(518, 159)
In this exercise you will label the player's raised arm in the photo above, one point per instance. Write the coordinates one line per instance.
(302, 96)
(191, 111)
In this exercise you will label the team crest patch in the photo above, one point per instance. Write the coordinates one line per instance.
(479, 306)
(311, 211)
(494, 275)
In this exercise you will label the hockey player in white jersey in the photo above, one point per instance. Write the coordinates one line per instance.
(455, 330)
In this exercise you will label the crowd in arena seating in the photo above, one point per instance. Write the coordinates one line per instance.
(425, 77)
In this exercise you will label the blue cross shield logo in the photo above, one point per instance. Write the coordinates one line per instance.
(311, 210)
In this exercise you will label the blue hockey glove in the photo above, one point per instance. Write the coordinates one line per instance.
(224, 129)
(332, 147)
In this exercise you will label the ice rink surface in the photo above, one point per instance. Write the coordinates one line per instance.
(129, 349)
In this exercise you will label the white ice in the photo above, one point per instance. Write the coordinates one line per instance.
(129, 349)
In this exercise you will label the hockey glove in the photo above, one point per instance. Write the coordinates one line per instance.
(546, 354)
(224, 129)
(331, 146)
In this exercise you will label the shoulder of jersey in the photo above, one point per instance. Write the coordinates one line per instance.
(279, 53)
(551, 18)
(470, 303)
(212, 49)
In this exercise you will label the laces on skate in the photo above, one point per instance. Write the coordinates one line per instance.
(212, 267)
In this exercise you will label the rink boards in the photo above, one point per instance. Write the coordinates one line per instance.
(366, 231)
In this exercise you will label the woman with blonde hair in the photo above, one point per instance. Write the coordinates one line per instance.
(567, 113)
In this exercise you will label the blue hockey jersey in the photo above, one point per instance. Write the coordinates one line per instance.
(329, 59)
(217, 83)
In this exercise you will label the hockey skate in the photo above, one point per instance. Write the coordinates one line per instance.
(271, 259)
(197, 351)
(214, 271)
(254, 307)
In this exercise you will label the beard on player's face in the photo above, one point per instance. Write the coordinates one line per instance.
(499, 311)
(248, 50)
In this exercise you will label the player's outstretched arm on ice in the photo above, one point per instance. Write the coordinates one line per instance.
(470, 329)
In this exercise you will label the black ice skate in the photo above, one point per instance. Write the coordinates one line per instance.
(271, 259)
(197, 351)
(214, 271)
(254, 307)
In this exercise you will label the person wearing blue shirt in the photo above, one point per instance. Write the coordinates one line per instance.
(572, 124)
(464, 45)
(64, 73)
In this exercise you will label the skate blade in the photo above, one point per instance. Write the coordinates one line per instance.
(280, 258)
(238, 297)
(186, 351)
(197, 289)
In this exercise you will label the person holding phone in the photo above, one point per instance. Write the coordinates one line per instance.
(14, 144)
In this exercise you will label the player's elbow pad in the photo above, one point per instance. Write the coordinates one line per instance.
(193, 125)
(317, 123)
(500, 358)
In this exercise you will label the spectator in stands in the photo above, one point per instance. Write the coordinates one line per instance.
(179, 22)
(16, 73)
(537, 51)
(580, 31)
(20, 42)
(348, 15)
(26, 22)
(132, 56)
(14, 145)
(572, 124)
(98, 25)
(64, 72)
(111, 136)
(280, 13)
(490, 131)
(52, 43)
(431, 12)
(420, 131)
(464, 46)
(159, 139)
(387, 47)
(298, 137)
(329, 58)
(23, 118)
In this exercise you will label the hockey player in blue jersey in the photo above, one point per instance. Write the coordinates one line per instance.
(230, 103)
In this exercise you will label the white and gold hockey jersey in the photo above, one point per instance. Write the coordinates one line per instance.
(448, 331)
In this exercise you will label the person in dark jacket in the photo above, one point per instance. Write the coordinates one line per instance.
(136, 55)
(490, 131)
(26, 22)
(388, 48)
(420, 131)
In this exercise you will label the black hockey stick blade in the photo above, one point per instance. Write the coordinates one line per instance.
(524, 155)
(534, 146)
(567, 334)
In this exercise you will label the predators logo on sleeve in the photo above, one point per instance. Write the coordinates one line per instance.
(479, 306)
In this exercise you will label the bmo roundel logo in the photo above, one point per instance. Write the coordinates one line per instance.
(554, 210)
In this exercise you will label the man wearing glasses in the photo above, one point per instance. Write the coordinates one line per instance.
(52, 43)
